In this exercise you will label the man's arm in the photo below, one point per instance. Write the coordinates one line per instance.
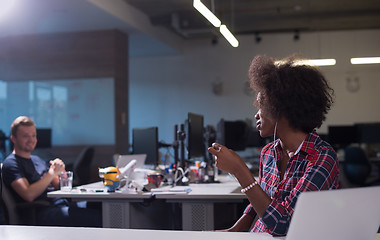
(29, 192)
(55, 182)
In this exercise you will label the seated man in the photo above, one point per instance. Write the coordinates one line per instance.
(29, 178)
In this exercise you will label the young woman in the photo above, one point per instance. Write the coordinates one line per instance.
(292, 101)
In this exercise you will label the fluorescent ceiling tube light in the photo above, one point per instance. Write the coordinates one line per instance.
(316, 62)
(206, 13)
(367, 60)
(311, 62)
(228, 35)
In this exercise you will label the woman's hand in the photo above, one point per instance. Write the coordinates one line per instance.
(226, 159)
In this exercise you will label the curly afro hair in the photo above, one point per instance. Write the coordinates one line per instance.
(299, 93)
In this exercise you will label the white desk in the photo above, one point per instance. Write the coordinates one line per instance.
(197, 206)
(116, 205)
(70, 233)
(65, 233)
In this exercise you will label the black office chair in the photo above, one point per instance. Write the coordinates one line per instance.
(18, 213)
(82, 166)
(356, 166)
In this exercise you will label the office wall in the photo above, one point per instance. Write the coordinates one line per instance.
(77, 55)
(66, 56)
(164, 89)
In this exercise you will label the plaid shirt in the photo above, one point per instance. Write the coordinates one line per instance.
(314, 168)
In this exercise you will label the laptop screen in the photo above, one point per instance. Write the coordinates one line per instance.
(336, 214)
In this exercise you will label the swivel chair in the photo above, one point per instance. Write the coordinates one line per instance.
(356, 165)
(18, 213)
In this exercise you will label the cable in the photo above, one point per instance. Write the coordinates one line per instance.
(274, 139)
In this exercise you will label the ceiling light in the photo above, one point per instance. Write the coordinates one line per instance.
(206, 13)
(367, 60)
(216, 22)
(316, 62)
(311, 62)
(228, 35)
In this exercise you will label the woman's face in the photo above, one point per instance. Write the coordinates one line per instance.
(264, 124)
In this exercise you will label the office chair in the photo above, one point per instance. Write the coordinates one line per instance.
(82, 165)
(356, 165)
(18, 213)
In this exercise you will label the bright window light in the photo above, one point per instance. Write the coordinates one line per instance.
(6, 7)
(228, 35)
(366, 60)
(206, 13)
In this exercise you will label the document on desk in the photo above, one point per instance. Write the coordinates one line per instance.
(173, 190)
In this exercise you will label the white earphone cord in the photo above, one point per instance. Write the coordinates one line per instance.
(274, 139)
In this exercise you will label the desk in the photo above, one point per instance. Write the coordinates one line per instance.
(65, 233)
(197, 206)
(116, 205)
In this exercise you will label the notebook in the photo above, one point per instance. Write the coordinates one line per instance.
(345, 214)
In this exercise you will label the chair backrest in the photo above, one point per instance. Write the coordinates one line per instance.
(18, 213)
(8, 204)
(2, 207)
(355, 154)
(356, 165)
(82, 166)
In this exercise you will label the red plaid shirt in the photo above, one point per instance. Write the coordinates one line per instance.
(315, 167)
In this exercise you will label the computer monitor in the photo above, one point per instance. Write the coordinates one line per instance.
(195, 136)
(43, 137)
(145, 141)
(232, 134)
(255, 140)
(369, 132)
(324, 136)
(341, 136)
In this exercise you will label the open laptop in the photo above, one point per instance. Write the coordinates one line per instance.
(123, 160)
(346, 214)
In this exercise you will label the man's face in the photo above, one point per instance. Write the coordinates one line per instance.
(25, 139)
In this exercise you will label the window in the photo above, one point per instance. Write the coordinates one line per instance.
(79, 111)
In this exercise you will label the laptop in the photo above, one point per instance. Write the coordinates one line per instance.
(345, 214)
(123, 160)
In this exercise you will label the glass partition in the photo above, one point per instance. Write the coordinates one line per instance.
(79, 111)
